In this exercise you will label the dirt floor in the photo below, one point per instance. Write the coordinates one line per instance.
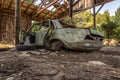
(64, 65)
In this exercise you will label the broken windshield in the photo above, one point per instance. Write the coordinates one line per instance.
(65, 25)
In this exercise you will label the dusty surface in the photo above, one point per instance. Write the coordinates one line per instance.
(64, 65)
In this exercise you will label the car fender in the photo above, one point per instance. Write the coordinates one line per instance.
(58, 39)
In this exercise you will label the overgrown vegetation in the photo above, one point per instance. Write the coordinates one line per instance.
(117, 21)
(28, 0)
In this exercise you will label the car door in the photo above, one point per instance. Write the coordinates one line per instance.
(40, 35)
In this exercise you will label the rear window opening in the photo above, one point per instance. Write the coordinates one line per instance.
(92, 37)
(95, 35)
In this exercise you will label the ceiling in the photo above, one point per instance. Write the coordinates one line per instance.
(39, 10)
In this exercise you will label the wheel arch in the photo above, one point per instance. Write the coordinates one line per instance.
(55, 39)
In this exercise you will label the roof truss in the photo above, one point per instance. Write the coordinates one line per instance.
(44, 9)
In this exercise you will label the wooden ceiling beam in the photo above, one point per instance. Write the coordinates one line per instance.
(57, 4)
(10, 3)
(63, 14)
(2, 4)
(38, 8)
(47, 13)
(29, 6)
(22, 2)
(46, 2)
(64, 6)
(40, 11)
(52, 9)
(58, 9)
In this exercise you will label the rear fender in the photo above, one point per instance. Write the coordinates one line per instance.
(57, 39)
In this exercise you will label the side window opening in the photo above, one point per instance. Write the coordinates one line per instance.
(88, 37)
(51, 30)
(52, 26)
(44, 25)
(35, 28)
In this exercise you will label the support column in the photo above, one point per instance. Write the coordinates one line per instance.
(70, 10)
(95, 13)
(94, 16)
(0, 26)
(17, 20)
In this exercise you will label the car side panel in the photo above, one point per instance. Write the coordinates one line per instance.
(68, 36)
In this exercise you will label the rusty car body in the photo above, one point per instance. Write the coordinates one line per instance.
(55, 34)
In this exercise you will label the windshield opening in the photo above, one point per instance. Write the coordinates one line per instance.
(65, 25)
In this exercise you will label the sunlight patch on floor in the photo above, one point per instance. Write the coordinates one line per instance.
(6, 45)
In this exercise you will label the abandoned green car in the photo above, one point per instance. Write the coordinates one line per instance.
(55, 34)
